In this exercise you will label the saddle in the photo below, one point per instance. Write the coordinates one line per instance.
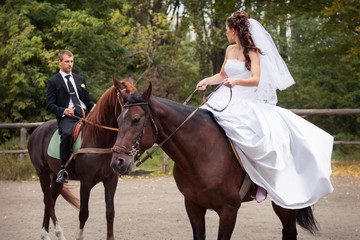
(247, 182)
(76, 132)
(54, 144)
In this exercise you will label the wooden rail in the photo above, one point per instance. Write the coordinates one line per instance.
(301, 112)
(345, 111)
(23, 132)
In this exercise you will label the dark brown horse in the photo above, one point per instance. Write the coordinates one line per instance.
(90, 169)
(206, 170)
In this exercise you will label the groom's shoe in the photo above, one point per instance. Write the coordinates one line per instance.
(61, 177)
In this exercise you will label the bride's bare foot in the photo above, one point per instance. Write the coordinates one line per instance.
(260, 194)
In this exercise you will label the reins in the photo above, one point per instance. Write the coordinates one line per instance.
(98, 125)
(205, 99)
(149, 155)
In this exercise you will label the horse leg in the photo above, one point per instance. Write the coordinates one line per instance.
(196, 216)
(49, 211)
(227, 222)
(110, 189)
(84, 208)
(55, 192)
(45, 234)
(288, 221)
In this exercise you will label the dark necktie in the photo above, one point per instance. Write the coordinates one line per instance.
(73, 96)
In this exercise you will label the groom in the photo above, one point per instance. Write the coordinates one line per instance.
(66, 91)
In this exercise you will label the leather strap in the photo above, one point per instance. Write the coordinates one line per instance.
(88, 150)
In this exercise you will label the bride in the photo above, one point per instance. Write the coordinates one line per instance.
(286, 156)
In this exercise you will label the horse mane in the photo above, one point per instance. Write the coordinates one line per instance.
(108, 103)
(182, 109)
(97, 116)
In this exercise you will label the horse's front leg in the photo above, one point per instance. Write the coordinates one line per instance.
(196, 216)
(84, 208)
(227, 221)
(110, 189)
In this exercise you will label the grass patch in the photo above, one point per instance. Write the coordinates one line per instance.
(12, 168)
(15, 169)
(346, 153)
(155, 164)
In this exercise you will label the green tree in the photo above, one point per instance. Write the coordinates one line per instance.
(156, 50)
(33, 33)
(175, 43)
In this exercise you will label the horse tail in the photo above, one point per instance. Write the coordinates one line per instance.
(69, 197)
(306, 220)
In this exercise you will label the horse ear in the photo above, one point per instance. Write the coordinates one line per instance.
(116, 83)
(147, 94)
(123, 94)
(120, 88)
(131, 80)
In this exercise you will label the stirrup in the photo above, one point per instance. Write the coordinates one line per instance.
(66, 174)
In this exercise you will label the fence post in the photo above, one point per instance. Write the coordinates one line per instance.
(22, 141)
(165, 163)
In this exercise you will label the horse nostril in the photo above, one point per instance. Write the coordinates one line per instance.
(120, 161)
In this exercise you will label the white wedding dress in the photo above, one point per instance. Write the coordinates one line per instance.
(283, 153)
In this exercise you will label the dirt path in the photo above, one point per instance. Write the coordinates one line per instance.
(153, 208)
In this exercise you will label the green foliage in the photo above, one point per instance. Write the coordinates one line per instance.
(21, 59)
(156, 53)
(173, 44)
(15, 169)
(11, 166)
(155, 164)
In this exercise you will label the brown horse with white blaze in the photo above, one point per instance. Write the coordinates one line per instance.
(88, 168)
(206, 170)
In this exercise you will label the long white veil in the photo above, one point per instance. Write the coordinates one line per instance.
(274, 73)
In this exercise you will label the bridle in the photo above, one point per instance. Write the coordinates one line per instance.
(97, 150)
(134, 152)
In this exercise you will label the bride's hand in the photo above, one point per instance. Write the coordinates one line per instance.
(201, 85)
(229, 82)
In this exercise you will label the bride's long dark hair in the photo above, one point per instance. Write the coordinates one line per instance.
(239, 21)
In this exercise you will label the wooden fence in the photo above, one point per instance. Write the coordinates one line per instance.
(301, 112)
(23, 133)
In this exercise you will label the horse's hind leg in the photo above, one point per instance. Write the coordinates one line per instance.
(51, 192)
(110, 189)
(49, 211)
(197, 219)
(55, 192)
(288, 220)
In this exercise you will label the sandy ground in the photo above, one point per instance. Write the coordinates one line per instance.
(153, 208)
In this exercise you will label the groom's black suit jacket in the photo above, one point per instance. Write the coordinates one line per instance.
(58, 97)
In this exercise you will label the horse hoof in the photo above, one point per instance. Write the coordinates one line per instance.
(80, 234)
(44, 235)
(59, 232)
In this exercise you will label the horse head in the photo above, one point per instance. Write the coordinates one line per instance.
(126, 85)
(137, 131)
(105, 112)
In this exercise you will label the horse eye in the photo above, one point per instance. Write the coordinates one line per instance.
(135, 120)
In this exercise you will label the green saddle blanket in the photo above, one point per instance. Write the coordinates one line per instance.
(54, 145)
